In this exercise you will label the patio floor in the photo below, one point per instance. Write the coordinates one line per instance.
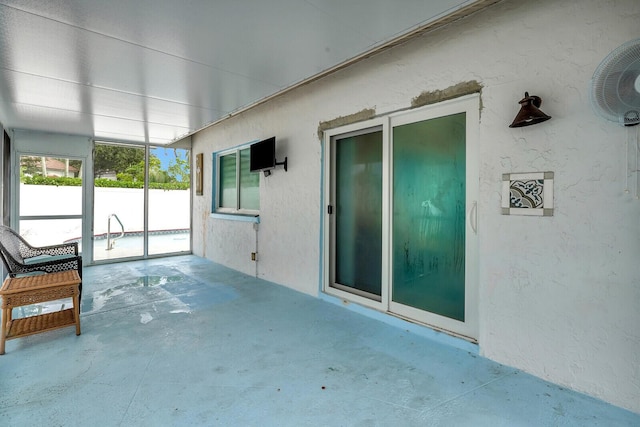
(182, 341)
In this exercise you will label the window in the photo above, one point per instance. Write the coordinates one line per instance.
(237, 188)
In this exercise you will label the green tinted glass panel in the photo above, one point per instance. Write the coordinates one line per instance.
(228, 190)
(249, 183)
(429, 215)
(358, 213)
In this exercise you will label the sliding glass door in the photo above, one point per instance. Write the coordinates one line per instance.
(429, 203)
(400, 219)
(118, 201)
(169, 200)
(142, 201)
(357, 225)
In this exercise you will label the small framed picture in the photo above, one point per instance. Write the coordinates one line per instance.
(199, 163)
(527, 194)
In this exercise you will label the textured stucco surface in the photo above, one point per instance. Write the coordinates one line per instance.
(558, 296)
(366, 114)
(452, 92)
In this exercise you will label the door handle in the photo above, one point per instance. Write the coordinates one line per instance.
(473, 217)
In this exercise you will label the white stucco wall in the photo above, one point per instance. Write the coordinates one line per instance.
(559, 296)
(288, 235)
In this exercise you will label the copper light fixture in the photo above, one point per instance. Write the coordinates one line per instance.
(529, 112)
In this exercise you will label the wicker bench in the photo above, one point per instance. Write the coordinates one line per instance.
(20, 291)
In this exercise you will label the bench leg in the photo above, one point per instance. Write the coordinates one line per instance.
(76, 312)
(5, 320)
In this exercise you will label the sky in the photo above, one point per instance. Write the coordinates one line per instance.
(166, 155)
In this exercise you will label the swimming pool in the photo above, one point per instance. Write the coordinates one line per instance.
(131, 244)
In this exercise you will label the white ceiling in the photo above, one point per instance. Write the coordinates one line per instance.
(156, 70)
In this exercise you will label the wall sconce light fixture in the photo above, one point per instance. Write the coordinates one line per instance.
(529, 112)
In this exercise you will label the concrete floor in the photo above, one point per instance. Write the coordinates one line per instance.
(182, 341)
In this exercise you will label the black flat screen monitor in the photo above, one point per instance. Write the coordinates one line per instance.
(263, 155)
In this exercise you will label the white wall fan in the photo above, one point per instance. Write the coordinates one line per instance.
(615, 96)
(615, 86)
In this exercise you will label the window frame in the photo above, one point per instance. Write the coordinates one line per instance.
(237, 211)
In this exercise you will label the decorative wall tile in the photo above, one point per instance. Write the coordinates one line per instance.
(527, 194)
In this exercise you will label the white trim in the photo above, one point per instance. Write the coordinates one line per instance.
(387, 212)
(236, 217)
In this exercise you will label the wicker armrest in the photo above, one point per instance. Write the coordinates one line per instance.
(53, 250)
(48, 258)
(55, 264)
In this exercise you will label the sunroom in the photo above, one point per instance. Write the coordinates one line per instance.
(358, 160)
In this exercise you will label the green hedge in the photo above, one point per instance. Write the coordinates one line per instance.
(53, 180)
(102, 182)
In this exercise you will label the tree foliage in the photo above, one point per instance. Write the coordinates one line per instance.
(125, 164)
(115, 159)
(102, 182)
(180, 168)
(30, 166)
(128, 165)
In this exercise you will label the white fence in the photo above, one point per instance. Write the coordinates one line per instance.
(168, 210)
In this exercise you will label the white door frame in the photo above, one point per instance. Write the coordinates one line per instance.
(469, 104)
